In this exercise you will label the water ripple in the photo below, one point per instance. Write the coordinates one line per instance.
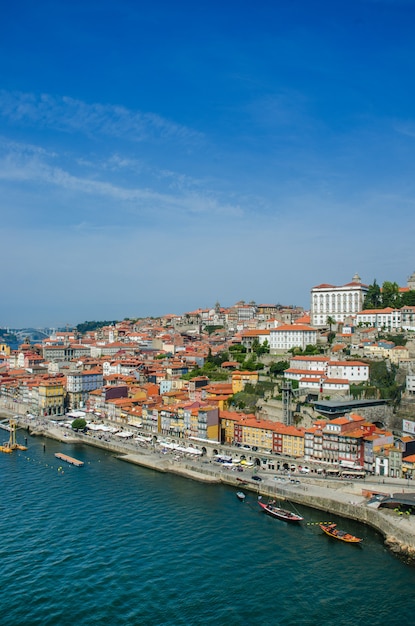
(112, 543)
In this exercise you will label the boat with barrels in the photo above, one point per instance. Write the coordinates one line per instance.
(332, 531)
(271, 508)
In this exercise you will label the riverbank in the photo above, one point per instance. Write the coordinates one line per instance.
(344, 499)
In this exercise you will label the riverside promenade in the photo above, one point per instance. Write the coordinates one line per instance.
(343, 498)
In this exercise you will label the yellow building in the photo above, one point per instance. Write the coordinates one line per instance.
(240, 379)
(228, 419)
(51, 396)
(4, 349)
(257, 433)
(293, 441)
(399, 354)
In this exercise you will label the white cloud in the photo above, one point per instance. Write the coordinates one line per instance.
(68, 114)
(405, 128)
(30, 164)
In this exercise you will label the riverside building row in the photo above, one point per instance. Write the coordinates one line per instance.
(127, 370)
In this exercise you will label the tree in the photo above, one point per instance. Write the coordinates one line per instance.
(260, 348)
(408, 298)
(278, 368)
(79, 423)
(390, 295)
(373, 299)
(237, 348)
(90, 326)
(251, 364)
(210, 329)
(331, 322)
(238, 352)
(312, 349)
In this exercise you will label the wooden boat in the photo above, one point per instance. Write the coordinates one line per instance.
(332, 531)
(240, 495)
(283, 514)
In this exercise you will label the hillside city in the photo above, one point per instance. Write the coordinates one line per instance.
(333, 385)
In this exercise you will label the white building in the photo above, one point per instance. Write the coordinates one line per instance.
(325, 385)
(309, 362)
(408, 317)
(388, 318)
(410, 383)
(336, 302)
(322, 372)
(85, 381)
(289, 336)
(353, 371)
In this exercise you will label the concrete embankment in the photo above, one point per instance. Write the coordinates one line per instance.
(345, 500)
(165, 465)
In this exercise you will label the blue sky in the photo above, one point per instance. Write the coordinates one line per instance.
(159, 157)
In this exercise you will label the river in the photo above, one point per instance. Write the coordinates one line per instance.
(114, 543)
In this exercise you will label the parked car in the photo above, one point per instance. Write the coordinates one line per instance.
(254, 448)
(257, 478)
(305, 470)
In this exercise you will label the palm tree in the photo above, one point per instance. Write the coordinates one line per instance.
(331, 322)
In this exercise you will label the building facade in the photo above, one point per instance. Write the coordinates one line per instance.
(387, 319)
(289, 336)
(337, 303)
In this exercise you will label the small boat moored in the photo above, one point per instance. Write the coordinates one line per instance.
(240, 495)
(332, 531)
(283, 514)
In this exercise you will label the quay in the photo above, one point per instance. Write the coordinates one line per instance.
(347, 499)
(68, 459)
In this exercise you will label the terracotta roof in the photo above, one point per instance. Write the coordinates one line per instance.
(310, 358)
(292, 328)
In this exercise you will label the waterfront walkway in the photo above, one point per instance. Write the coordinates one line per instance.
(343, 498)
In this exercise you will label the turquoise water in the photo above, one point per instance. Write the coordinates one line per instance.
(113, 543)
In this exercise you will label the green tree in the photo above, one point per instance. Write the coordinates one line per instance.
(212, 328)
(263, 348)
(278, 368)
(251, 364)
(408, 298)
(78, 424)
(255, 346)
(390, 295)
(373, 299)
(238, 352)
(331, 322)
(311, 349)
(90, 326)
(237, 348)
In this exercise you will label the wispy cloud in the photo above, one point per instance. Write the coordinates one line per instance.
(405, 128)
(70, 115)
(30, 164)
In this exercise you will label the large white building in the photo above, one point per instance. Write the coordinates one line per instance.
(289, 336)
(336, 302)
